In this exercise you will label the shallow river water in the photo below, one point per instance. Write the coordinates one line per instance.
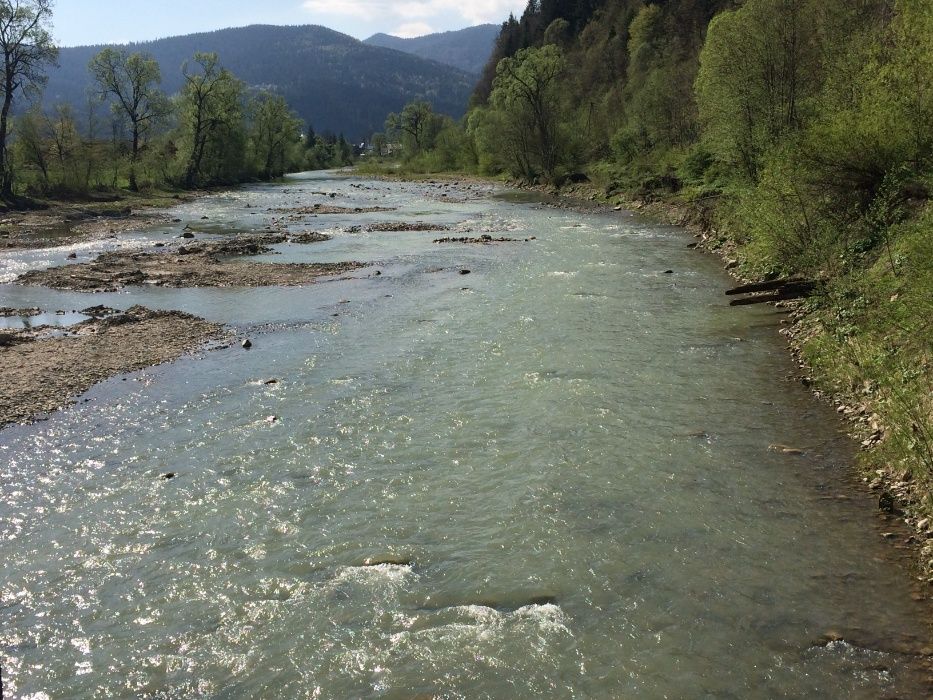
(566, 452)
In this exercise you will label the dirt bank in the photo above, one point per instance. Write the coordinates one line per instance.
(40, 373)
(189, 265)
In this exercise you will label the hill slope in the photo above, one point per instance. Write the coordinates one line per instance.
(333, 81)
(467, 49)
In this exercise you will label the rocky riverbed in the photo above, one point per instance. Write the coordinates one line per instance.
(208, 264)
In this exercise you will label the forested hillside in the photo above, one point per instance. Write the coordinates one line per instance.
(798, 134)
(467, 49)
(334, 82)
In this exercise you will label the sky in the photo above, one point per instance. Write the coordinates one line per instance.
(80, 22)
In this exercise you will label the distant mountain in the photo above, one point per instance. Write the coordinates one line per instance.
(333, 81)
(467, 49)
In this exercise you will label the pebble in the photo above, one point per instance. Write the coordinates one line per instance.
(247, 344)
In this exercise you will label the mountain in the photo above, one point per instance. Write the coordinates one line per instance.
(334, 82)
(467, 49)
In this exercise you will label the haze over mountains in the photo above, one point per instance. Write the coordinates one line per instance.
(467, 49)
(333, 81)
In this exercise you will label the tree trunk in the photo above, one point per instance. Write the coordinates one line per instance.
(134, 158)
(6, 177)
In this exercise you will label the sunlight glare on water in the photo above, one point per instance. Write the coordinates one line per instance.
(561, 460)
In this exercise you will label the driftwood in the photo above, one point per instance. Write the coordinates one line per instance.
(782, 290)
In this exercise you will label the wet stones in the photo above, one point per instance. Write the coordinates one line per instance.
(482, 240)
(100, 311)
(297, 213)
(400, 226)
(9, 312)
(887, 503)
(308, 237)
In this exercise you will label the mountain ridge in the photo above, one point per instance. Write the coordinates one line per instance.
(333, 81)
(467, 49)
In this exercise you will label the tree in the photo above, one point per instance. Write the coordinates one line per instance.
(32, 145)
(380, 144)
(416, 126)
(276, 131)
(27, 46)
(526, 90)
(210, 104)
(132, 80)
(757, 69)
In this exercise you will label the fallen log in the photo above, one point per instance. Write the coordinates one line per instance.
(785, 294)
(767, 286)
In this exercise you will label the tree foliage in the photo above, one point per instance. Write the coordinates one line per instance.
(132, 80)
(27, 47)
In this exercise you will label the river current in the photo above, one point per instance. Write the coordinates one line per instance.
(564, 456)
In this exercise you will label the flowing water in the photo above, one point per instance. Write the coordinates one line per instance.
(563, 458)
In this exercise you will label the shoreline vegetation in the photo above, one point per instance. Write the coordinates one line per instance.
(794, 137)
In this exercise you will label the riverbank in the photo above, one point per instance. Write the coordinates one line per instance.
(50, 223)
(43, 370)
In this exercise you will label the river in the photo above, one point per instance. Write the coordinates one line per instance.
(565, 456)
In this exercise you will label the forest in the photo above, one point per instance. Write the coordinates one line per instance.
(796, 134)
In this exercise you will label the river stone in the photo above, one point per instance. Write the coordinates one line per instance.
(887, 503)
(388, 559)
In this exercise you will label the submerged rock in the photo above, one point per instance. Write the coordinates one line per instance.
(388, 559)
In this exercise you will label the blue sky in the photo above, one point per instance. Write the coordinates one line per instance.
(117, 21)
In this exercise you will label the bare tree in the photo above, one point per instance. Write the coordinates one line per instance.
(27, 46)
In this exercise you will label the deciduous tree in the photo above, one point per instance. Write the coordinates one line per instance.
(27, 46)
(132, 80)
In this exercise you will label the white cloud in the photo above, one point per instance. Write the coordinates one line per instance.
(412, 29)
(469, 11)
